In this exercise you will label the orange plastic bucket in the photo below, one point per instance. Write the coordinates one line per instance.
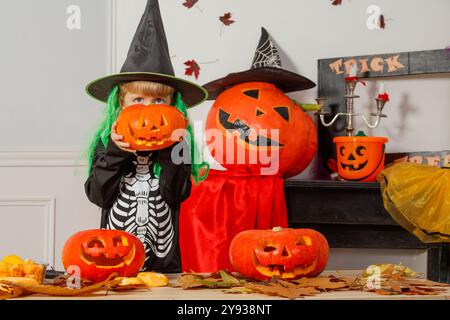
(360, 158)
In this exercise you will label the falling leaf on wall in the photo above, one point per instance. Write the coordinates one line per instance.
(382, 22)
(191, 3)
(336, 2)
(192, 68)
(226, 19)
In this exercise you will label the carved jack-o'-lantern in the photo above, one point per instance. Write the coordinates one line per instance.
(360, 158)
(99, 253)
(245, 115)
(284, 253)
(148, 128)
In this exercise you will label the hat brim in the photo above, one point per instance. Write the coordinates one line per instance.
(192, 93)
(286, 80)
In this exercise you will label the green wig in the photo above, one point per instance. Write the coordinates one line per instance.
(112, 111)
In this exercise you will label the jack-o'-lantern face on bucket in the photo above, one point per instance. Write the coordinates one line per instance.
(256, 118)
(148, 128)
(360, 158)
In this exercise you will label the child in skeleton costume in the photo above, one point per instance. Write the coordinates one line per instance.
(141, 191)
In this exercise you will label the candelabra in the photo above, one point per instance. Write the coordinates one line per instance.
(350, 95)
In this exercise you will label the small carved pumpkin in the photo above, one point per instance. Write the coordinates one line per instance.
(360, 158)
(284, 253)
(148, 128)
(246, 113)
(99, 253)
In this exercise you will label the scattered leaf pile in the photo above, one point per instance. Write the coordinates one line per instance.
(390, 279)
(386, 279)
(15, 266)
(12, 287)
(221, 279)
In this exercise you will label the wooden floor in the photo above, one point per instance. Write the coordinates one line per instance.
(168, 293)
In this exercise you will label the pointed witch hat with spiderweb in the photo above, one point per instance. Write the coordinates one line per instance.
(266, 67)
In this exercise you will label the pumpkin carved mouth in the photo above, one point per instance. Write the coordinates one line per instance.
(279, 270)
(102, 261)
(282, 253)
(283, 263)
(353, 167)
(244, 131)
(148, 128)
(149, 137)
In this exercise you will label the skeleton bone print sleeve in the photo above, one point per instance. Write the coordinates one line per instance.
(133, 199)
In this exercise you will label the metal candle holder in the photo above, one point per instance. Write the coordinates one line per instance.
(350, 114)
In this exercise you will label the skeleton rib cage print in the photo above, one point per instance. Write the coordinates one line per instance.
(141, 210)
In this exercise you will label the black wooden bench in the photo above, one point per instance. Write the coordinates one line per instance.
(352, 215)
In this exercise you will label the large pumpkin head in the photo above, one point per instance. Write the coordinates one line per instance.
(283, 253)
(99, 253)
(148, 128)
(245, 116)
(360, 158)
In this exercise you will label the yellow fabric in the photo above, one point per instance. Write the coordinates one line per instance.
(418, 198)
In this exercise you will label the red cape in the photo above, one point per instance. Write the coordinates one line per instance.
(223, 205)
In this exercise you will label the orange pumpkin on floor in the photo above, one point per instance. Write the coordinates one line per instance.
(148, 128)
(360, 158)
(244, 116)
(283, 253)
(99, 253)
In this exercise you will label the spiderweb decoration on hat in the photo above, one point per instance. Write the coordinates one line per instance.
(266, 55)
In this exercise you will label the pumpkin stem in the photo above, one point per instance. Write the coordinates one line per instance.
(278, 228)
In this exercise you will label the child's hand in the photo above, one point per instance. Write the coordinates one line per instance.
(118, 139)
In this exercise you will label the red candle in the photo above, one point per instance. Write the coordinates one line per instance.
(382, 94)
(352, 73)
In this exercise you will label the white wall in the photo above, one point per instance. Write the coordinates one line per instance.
(44, 69)
(42, 203)
(46, 120)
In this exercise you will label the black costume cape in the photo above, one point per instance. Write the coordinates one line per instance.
(102, 188)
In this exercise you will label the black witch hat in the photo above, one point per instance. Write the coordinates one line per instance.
(148, 59)
(266, 67)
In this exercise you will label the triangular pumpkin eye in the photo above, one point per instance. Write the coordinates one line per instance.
(283, 112)
(252, 93)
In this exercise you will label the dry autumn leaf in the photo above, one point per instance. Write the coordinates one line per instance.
(215, 280)
(64, 291)
(276, 289)
(423, 282)
(192, 68)
(226, 19)
(238, 290)
(382, 22)
(322, 283)
(189, 3)
(189, 281)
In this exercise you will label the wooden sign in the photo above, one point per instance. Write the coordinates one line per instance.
(331, 84)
